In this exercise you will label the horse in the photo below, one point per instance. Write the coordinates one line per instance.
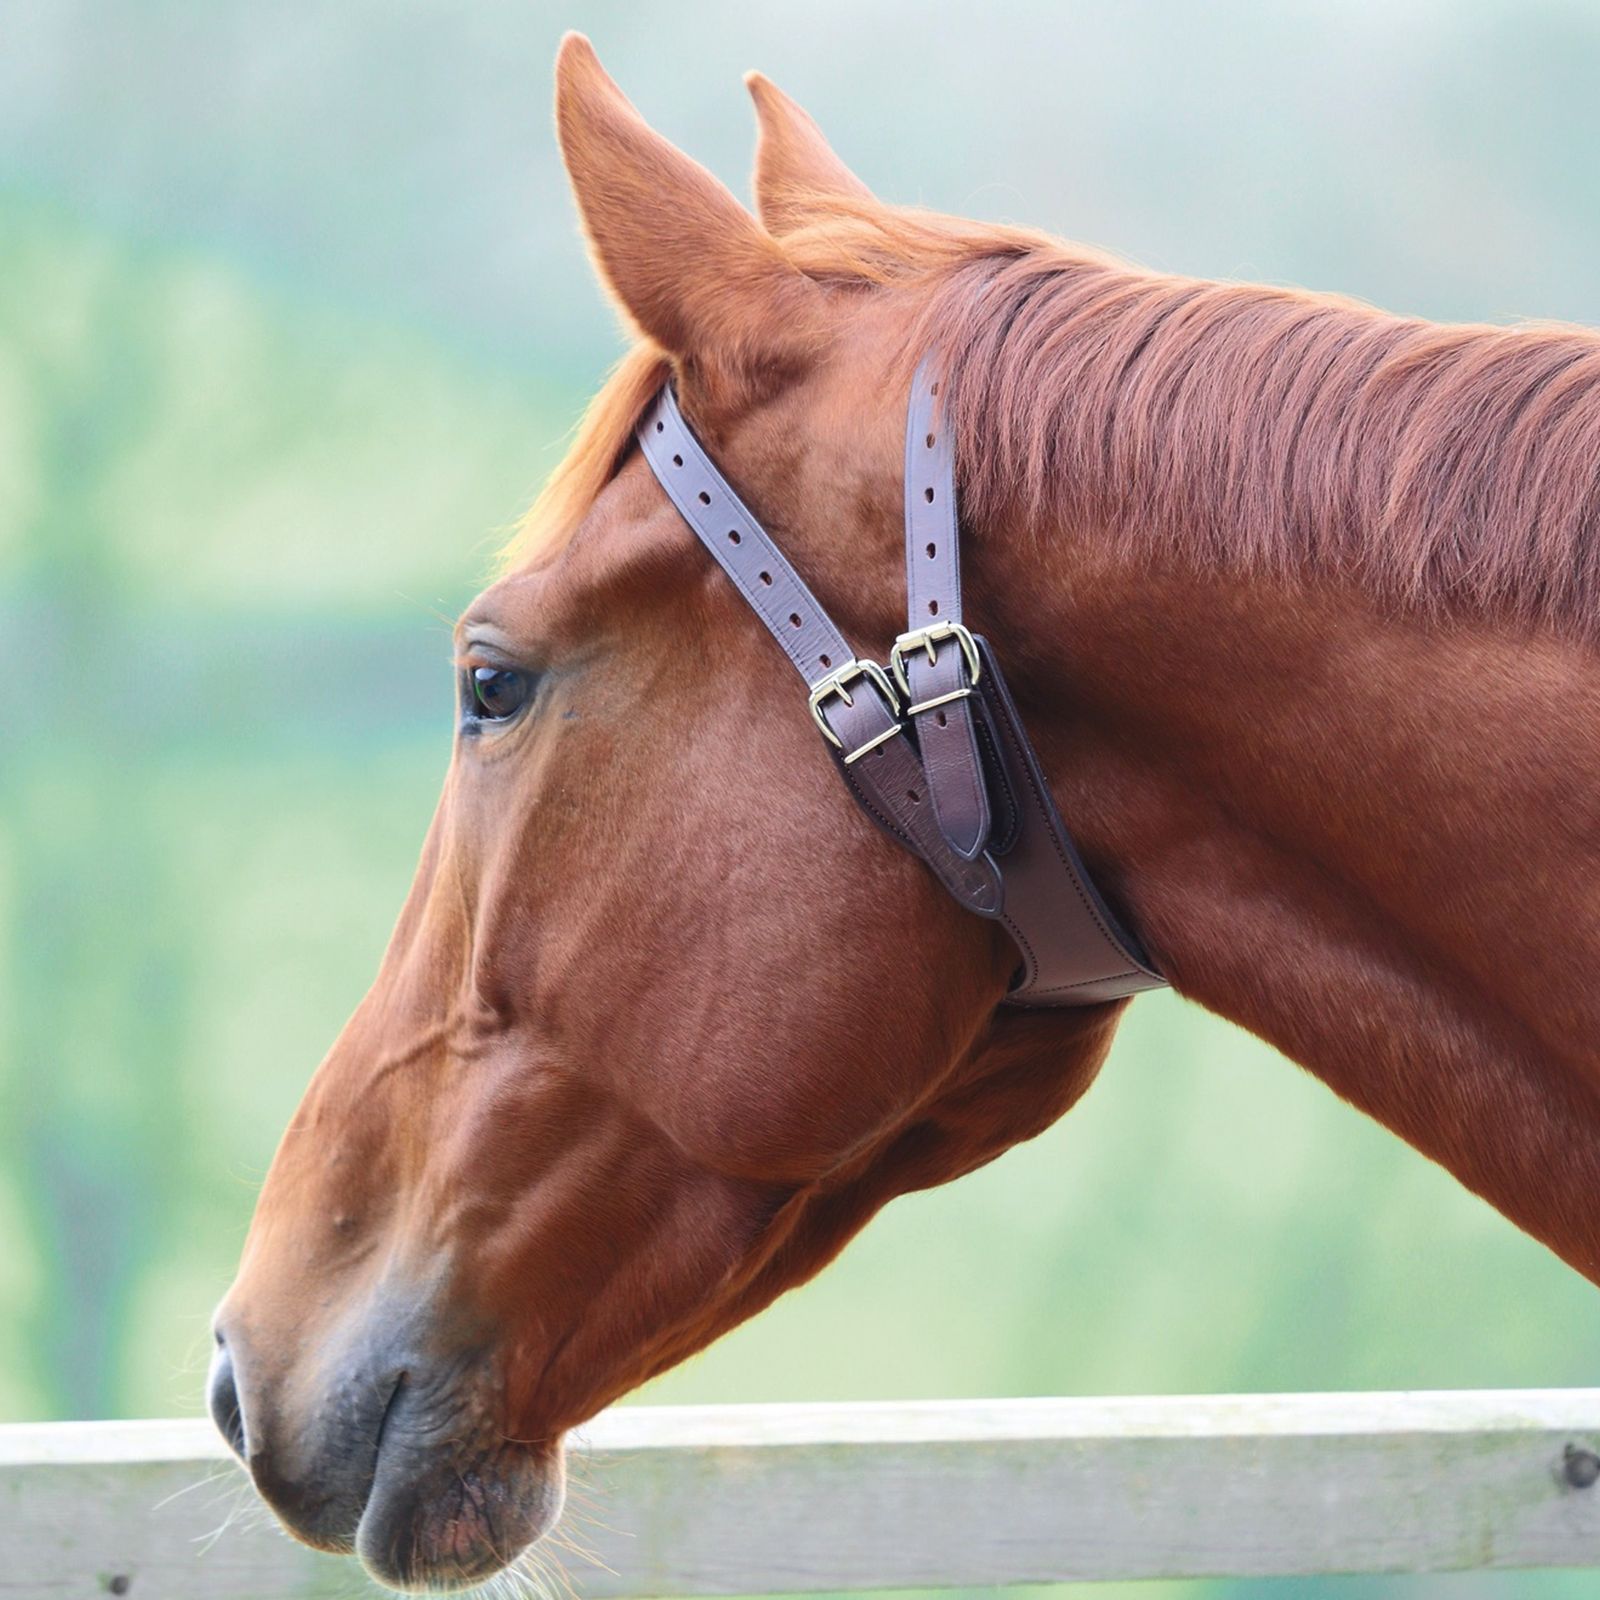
(1299, 601)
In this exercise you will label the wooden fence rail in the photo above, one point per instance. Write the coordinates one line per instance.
(770, 1499)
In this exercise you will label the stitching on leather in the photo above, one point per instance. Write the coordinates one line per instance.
(983, 751)
(1029, 957)
(1011, 809)
(1055, 842)
(1089, 983)
(907, 839)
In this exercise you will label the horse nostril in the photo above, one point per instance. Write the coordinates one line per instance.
(222, 1399)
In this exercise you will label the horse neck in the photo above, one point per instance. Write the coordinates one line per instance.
(1368, 837)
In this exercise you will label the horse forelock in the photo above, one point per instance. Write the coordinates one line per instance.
(599, 442)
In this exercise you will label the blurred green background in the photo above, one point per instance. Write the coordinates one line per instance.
(293, 320)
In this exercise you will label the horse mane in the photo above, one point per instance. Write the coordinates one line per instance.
(1448, 467)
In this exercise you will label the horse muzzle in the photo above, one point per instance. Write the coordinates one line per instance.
(389, 1453)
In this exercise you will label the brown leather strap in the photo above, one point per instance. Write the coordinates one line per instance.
(759, 569)
(1072, 947)
(933, 658)
(853, 703)
(958, 784)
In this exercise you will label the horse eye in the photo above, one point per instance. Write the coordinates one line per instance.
(497, 694)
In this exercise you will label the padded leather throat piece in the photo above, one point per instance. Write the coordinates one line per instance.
(931, 747)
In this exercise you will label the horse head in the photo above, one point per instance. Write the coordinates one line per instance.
(664, 1019)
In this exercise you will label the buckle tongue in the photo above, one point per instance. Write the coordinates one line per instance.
(929, 639)
(836, 683)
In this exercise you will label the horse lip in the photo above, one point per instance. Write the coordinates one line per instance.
(376, 1459)
(382, 1429)
(449, 1506)
(329, 1518)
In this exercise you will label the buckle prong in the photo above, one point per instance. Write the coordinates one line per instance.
(928, 639)
(836, 684)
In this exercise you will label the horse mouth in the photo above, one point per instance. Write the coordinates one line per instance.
(455, 1523)
(451, 1507)
(411, 1475)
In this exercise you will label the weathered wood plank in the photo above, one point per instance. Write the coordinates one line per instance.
(95, 1508)
(769, 1499)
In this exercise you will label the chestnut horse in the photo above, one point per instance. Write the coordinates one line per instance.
(1299, 601)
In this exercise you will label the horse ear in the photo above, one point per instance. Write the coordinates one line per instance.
(689, 265)
(796, 171)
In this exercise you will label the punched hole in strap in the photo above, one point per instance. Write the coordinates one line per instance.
(927, 494)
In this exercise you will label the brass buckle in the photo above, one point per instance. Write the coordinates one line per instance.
(928, 639)
(836, 684)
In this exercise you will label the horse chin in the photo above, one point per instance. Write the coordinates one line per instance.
(442, 1520)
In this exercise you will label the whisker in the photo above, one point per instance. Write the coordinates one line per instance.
(583, 1553)
(582, 1517)
(536, 1567)
(208, 1542)
(220, 1474)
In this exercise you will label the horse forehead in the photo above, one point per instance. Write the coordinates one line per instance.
(819, 460)
(630, 534)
